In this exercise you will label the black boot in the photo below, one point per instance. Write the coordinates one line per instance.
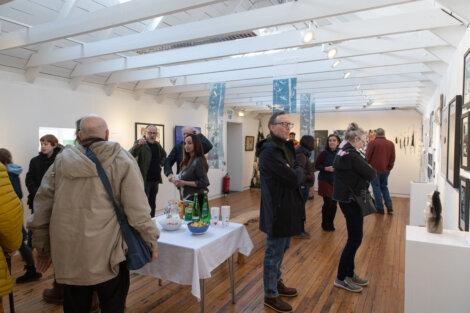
(30, 275)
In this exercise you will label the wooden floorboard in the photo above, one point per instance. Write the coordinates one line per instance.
(309, 265)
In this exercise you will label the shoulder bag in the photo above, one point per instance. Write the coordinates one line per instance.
(138, 254)
(364, 201)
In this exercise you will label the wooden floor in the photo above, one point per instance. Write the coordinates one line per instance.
(309, 265)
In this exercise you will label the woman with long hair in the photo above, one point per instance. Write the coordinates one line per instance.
(193, 176)
(352, 174)
(324, 163)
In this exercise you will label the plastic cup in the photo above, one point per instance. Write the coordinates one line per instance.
(225, 213)
(215, 211)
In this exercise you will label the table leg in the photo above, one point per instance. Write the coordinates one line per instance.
(202, 284)
(231, 269)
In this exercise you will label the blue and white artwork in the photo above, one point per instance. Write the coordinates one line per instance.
(215, 121)
(285, 95)
(307, 114)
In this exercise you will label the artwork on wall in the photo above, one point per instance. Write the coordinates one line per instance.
(140, 132)
(431, 130)
(464, 203)
(438, 117)
(321, 137)
(340, 133)
(464, 155)
(444, 132)
(453, 146)
(249, 143)
(466, 79)
(179, 133)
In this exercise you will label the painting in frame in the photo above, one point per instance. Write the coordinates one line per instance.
(179, 133)
(140, 132)
(464, 153)
(444, 133)
(453, 146)
(249, 143)
(464, 194)
(466, 79)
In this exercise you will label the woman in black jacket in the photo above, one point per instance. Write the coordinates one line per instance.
(352, 173)
(324, 163)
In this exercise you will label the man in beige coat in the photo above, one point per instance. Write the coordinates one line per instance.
(75, 225)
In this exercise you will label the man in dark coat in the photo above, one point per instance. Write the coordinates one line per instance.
(176, 154)
(281, 206)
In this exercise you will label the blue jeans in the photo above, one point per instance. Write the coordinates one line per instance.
(305, 191)
(275, 249)
(380, 189)
(354, 224)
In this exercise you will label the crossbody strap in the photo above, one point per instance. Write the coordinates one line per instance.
(107, 185)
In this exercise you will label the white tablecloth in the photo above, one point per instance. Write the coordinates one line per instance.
(185, 258)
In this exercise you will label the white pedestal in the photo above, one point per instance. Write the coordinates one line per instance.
(437, 272)
(418, 200)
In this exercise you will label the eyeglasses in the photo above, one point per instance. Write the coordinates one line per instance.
(152, 133)
(285, 124)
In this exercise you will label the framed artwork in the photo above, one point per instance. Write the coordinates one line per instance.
(431, 129)
(453, 146)
(321, 137)
(439, 110)
(249, 143)
(466, 79)
(464, 154)
(179, 133)
(464, 196)
(140, 132)
(444, 133)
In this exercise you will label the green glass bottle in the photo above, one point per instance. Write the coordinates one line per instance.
(205, 213)
(196, 209)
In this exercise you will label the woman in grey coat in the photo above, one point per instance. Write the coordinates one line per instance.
(193, 177)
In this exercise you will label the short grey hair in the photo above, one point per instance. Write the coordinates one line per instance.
(352, 131)
(380, 132)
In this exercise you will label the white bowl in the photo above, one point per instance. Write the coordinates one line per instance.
(173, 223)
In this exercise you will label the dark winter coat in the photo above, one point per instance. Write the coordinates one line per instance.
(351, 171)
(281, 207)
(325, 159)
(143, 156)
(176, 155)
(37, 168)
(302, 156)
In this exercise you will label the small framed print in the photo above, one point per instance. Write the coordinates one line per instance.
(453, 146)
(466, 79)
(464, 154)
(464, 203)
(249, 143)
(140, 132)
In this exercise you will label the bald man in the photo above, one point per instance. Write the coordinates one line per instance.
(150, 156)
(176, 154)
(75, 224)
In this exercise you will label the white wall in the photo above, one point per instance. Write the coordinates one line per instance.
(51, 102)
(396, 123)
(451, 85)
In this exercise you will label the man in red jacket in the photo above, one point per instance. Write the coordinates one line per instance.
(381, 156)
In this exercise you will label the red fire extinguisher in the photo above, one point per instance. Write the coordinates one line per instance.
(226, 184)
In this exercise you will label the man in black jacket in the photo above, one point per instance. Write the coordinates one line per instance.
(281, 206)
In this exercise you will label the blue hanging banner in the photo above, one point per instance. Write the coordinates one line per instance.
(307, 114)
(285, 95)
(215, 121)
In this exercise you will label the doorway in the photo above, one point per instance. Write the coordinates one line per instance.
(235, 155)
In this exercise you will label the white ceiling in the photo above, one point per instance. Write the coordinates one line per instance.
(395, 50)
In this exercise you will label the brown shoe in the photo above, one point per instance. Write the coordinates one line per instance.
(54, 295)
(285, 291)
(277, 304)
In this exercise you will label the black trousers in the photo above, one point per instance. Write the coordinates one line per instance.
(151, 190)
(111, 294)
(328, 213)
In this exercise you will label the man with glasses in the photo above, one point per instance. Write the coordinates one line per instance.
(150, 157)
(176, 154)
(281, 207)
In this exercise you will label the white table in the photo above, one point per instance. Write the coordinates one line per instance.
(189, 259)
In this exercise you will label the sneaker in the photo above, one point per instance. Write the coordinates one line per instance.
(303, 235)
(358, 281)
(285, 291)
(30, 275)
(277, 304)
(348, 285)
(389, 209)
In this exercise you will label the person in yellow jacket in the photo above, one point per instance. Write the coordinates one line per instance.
(11, 220)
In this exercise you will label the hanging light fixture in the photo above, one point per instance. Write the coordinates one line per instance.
(346, 75)
(241, 113)
(332, 53)
(309, 34)
(336, 63)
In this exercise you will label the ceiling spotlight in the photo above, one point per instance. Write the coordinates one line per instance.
(332, 53)
(347, 74)
(308, 36)
(335, 63)
(337, 107)
(241, 113)
(364, 106)
(358, 86)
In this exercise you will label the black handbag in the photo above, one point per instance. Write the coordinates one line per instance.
(138, 254)
(364, 201)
